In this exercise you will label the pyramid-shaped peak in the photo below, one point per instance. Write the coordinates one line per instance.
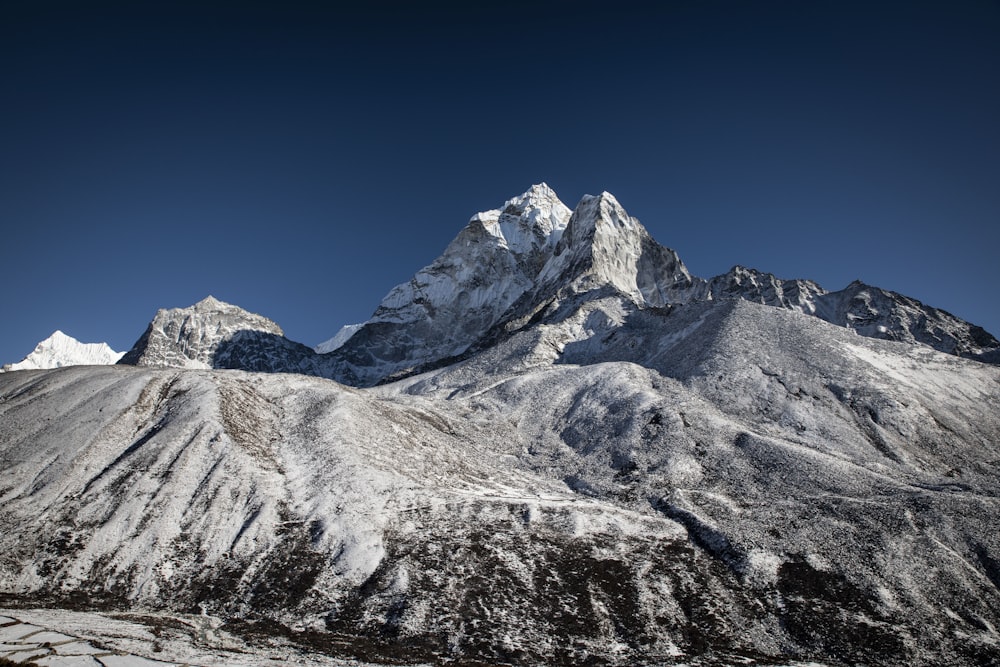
(596, 200)
(538, 201)
(211, 303)
(541, 190)
(538, 192)
(601, 211)
(190, 337)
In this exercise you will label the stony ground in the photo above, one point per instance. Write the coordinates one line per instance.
(57, 638)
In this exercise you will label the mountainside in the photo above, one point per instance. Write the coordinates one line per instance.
(61, 350)
(610, 462)
(672, 487)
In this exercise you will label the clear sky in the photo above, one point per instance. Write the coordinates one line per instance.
(300, 160)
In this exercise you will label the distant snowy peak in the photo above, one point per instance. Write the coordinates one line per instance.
(880, 313)
(339, 338)
(60, 350)
(192, 337)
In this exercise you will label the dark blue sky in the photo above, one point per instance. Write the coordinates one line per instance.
(299, 161)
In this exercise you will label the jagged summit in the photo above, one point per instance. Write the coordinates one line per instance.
(526, 223)
(515, 265)
(60, 350)
(210, 303)
(749, 284)
(454, 301)
(530, 262)
(506, 264)
(604, 245)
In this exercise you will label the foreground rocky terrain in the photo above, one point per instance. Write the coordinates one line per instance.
(614, 463)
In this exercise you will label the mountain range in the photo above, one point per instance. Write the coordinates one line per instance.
(507, 269)
(553, 445)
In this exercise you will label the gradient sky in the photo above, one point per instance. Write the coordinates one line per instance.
(299, 161)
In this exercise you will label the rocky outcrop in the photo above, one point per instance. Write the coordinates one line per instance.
(215, 334)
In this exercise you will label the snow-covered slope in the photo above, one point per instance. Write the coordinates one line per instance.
(61, 350)
(338, 339)
(720, 480)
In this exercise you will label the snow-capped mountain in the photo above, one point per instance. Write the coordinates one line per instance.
(609, 462)
(453, 302)
(511, 266)
(215, 334)
(61, 350)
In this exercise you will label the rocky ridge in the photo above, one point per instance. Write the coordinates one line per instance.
(511, 267)
(601, 247)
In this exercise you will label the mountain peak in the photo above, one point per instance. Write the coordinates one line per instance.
(541, 191)
(211, 303)
(191, 337)
(451, 303)
(604, 245)
(527, 222)
(60, 350)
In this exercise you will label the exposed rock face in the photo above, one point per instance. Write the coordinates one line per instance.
(752, 285)
(880, 313)
(605, 246)
(215, 334)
